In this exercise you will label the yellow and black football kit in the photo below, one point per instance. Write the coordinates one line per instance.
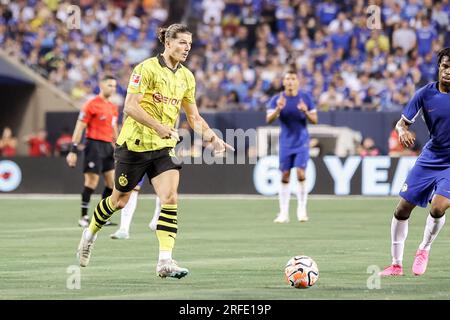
(139, 149)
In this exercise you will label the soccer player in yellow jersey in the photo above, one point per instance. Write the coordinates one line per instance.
(158, 88)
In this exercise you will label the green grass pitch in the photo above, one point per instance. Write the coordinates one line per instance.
(231, 246)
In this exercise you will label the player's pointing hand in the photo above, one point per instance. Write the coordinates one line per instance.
(220, 146)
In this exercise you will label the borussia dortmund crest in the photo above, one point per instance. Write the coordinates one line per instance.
(123, 181)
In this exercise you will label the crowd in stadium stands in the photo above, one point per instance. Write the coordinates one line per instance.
(241, 47)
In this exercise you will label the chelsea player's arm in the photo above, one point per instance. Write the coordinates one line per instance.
(308, 108)
(273, 114)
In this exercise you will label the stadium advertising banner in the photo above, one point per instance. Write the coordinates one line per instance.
(369, 176)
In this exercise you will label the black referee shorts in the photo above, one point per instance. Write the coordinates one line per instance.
(98, 156)
(131, 166)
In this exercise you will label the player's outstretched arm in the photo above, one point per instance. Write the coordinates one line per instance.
(135, 111)
(405, 137)
(199, 125)
(71, 157)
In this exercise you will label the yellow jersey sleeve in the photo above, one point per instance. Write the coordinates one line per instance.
(189, 95)
(140, 80)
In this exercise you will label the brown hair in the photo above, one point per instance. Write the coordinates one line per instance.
(291, 69)
(171, 32)
(108, 77)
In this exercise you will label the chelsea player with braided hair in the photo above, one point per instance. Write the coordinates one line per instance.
(429, 179)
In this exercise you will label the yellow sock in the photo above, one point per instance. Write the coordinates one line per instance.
(166, 229)
(102, 213)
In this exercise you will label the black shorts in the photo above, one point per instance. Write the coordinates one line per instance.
(131, 166)
(98, 156)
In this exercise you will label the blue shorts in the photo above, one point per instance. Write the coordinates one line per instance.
(297, 159)
(423, 182)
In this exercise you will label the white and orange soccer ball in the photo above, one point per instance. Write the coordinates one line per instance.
(301, 272)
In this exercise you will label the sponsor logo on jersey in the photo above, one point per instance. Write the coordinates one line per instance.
(158, 98)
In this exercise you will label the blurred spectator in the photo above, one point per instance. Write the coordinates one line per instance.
(392, 13)
(63, 143)
(341, 21)
(341, 39)
(232, 102)
(8, 143)
(368, 148)
(440, 17)
(38, 146)
(212, 10)
(426, 34)
(331, 99)
(428, 69)
(411, 9)
(377, 40)
(326, 11)
(404, 37)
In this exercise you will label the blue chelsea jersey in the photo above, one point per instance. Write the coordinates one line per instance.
(435, 109)
(294, 134)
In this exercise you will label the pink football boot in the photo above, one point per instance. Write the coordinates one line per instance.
(420, 262)
(393, 270)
